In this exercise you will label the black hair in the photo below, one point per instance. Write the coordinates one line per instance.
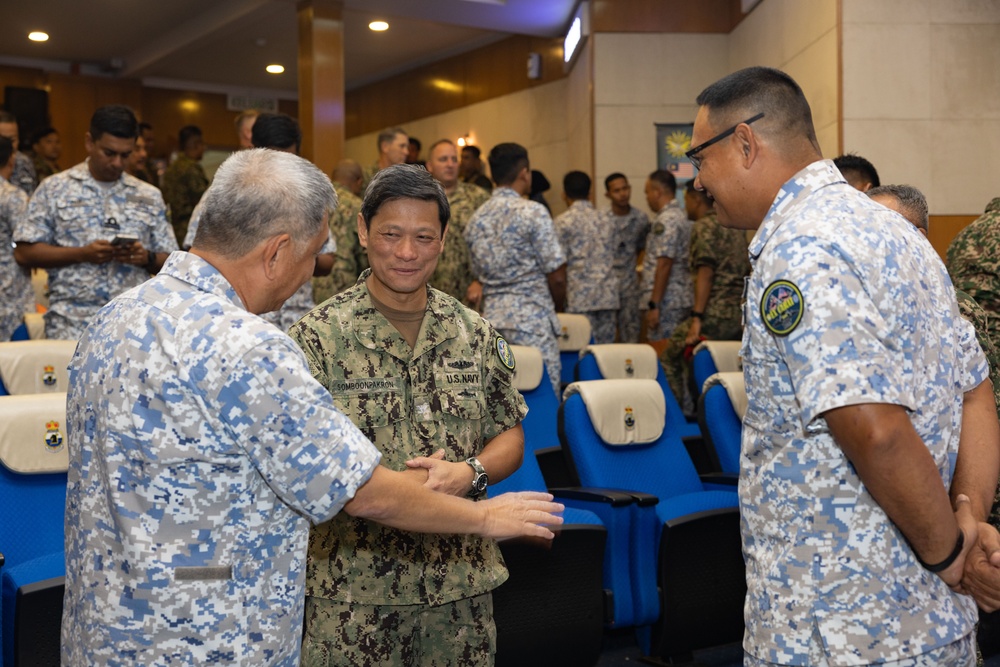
(116, 120)
(855, 163)
(187, 133)
(612, 177)
(276, 130)
(576, 185)
(506, 162)
(404, 181)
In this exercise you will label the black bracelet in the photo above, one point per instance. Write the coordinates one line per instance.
(695, 313)
(150, 261)
(946, 563)
(652, 305)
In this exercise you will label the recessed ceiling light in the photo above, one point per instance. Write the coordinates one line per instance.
(378, 26)
(38, 36)
(275, 69)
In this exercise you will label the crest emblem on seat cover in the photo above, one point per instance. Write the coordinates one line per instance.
(49, 376)
(629, 368)
(53, 436)
(629, 419)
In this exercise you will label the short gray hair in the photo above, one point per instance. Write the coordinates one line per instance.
(259, 193)
(912, 203)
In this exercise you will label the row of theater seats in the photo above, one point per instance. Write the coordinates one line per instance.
(33, 463)
(646, 543)
(615, 446)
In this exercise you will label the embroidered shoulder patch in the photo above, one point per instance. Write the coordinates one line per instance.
(659, 228)
(505, 353)
(781, 307)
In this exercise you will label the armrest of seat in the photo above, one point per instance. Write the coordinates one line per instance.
(720, 481)
(612, 497)
(555, 470)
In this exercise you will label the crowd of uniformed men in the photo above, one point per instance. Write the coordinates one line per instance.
(204, 441)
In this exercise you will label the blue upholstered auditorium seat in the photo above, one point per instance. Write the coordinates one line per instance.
(33, 462)
(720, 411)
(687, 564)
(574, 335)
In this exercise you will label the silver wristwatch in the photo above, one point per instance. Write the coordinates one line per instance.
(480, 480)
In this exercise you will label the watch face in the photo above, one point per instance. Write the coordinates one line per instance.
(481, 482)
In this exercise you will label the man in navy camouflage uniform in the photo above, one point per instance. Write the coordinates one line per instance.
(74, 217)
(201, 448)
(589, 245)
(667, 290)
(631, 226)
(429, 382)
(517, 259)
(857, 362)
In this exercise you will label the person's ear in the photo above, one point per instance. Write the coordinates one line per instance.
(275, 250)
(362, 232)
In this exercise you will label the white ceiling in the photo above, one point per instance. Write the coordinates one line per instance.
(227, 43)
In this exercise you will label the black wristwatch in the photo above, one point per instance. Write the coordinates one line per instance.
(695, 313)
(652, 305)
(480, 480)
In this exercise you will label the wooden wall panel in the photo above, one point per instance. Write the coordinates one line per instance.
(491, 71)
(22, 77)
(944, 228)
(665, 15)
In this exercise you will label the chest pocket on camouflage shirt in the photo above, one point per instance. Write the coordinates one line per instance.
(370, 403)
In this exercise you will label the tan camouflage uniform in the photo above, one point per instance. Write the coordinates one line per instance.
(184, 182)
(453, 274)
(351, 259)
(450, 391)
(724, 250)
(366, 176)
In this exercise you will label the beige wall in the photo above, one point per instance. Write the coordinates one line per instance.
(799, 38)
(641, 79)
(922, 96)
(534, 118)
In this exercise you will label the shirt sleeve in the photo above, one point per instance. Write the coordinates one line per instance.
(839, 352)
(704, 245)
(505, 405)
(163, 237)
(308, 452)
(37, 224)
(545, 242)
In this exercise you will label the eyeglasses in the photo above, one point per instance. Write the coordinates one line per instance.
(692, 154)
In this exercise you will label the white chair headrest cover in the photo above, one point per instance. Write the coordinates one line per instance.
(575, 332)
(527, 368)
(33, 433)
(725, 354)
(624, 361)
(40, 284)
(736, 388)
(623, 412)
(36, 366)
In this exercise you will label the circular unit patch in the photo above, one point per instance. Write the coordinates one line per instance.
(781, 307)
(505, 353)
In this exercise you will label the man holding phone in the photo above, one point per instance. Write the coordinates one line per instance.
(97, 230)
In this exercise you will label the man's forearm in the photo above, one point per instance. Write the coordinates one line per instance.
(978, 466)
(502, 455)
(47, 256)
(898, 471)
(702, 288)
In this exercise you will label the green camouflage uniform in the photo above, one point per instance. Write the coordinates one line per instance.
(973, 312)
(725, 251)
(453, 274)
(450, 391)
(366, 176)
(184, 182)
(42, 168)
(351, 259)
(974, 264)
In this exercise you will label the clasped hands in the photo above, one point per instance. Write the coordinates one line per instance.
(977, 571)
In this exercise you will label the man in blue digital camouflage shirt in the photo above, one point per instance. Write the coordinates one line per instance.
(588, 242)
(15, 281)
(201, 449)
(516, 258)
(75, 217)
(856, 362)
